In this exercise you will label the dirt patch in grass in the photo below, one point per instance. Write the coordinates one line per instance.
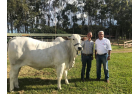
(121, 51)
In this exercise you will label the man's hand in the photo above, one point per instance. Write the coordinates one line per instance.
(108, 58)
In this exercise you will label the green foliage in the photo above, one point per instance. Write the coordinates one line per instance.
(27, 14)
(46, 29)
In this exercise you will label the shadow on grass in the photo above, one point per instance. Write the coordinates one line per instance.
(23, 82)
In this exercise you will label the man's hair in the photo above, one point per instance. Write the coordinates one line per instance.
(89, 32)
(101, 31)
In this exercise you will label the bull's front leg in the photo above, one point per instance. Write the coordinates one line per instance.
(60, 70)
(65, 75)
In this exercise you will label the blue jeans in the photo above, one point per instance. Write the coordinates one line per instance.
(86, 60)
(99, 60)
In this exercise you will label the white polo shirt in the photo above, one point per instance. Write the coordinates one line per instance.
(102, 46)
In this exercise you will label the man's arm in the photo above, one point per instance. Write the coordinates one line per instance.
(109, 49)
(95, 54)
(109, 53)
(92, 50)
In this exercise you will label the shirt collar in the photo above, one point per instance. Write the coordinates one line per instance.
(89, 41)
(102, 39)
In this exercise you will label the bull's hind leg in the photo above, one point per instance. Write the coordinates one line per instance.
(60, 70)
(65, 75)
(14, 71)
(16, 80)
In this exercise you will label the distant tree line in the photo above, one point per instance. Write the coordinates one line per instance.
(40, 16)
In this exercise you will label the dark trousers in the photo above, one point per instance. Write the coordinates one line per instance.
(86, 60)
(99, 60)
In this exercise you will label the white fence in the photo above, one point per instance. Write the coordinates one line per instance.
(128, 44)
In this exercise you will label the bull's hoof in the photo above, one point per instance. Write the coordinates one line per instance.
(67, 83)
(59, 88)
(12, 90)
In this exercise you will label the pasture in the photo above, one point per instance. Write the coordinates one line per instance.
(32, 81)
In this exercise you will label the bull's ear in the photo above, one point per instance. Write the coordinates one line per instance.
(68, 38)
(65, 38)
(82, 39)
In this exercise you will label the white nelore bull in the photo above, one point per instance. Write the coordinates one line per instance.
(37, 54)
(59, 39)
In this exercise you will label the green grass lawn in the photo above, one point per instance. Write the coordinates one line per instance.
(114, 47)
(32, 81)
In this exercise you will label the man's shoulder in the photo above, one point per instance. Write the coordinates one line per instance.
(92, 42)
(106, 39)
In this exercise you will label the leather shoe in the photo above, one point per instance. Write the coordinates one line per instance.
(97, 79)
(88, 79)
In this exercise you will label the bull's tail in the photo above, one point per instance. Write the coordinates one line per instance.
(9, 42)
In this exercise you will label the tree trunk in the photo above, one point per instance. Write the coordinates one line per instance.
(101, 22)
(48, 20)
(8, 28)
(27, 28)
(116, 34)
(122, 33)
(88, 23)
(109, 34)
(11, 26)
(95, 34)
(18, 30)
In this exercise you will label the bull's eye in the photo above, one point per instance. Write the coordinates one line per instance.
(73, 39)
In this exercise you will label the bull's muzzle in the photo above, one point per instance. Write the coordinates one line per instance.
(79, 48)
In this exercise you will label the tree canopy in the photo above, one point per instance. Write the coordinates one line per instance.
(79, 16)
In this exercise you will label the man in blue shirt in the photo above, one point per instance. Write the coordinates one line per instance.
(87, 56)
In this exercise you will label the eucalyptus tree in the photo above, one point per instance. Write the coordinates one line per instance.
(110, 14)
(123, 15)
(91, 10)
(69, 14)
(74, 10)
(82, 14)
(11, 14)
(32, 16)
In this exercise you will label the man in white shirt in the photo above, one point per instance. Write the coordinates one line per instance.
(102, 55)
(87, 56)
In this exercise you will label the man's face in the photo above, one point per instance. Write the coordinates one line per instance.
(101, 35)
(89, 35)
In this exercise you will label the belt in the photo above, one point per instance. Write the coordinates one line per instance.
(102, 54)
(87, 54)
